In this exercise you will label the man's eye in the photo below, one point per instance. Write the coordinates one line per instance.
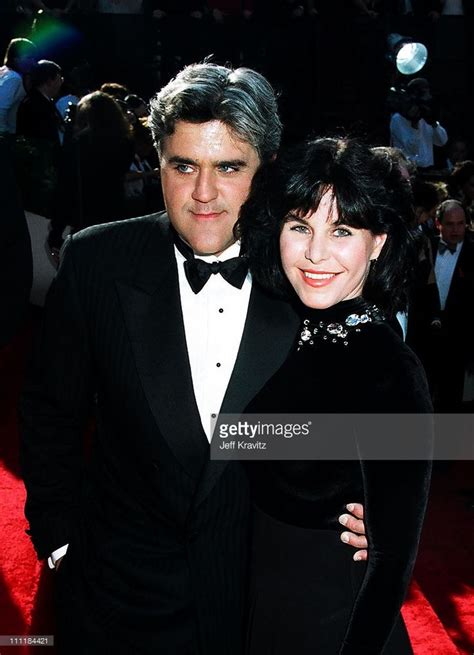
(342, 232)
(183, 168)
(225, 168)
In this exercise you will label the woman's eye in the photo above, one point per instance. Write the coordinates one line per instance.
(342, 232)
(302, 229)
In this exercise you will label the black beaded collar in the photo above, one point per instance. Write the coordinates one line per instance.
(335, 324)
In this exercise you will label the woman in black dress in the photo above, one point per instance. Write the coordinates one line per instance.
(330, 221)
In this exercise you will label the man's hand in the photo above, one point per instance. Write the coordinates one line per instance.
(356, 537)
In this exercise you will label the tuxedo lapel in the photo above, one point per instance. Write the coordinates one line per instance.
(153, 317)
(269, 332)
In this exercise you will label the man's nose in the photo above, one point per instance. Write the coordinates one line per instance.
(205, 188)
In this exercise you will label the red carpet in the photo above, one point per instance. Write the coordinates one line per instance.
(439, 610)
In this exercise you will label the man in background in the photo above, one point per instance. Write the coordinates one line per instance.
(414, 129)
(453, 254)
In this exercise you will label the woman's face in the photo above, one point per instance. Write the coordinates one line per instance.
(324, 262)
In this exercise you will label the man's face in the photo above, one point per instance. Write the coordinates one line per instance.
(55, 86)
(453, 226)
(206, 172)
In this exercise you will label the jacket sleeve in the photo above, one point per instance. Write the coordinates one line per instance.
(440, 136)
(54, 409)
(392, 489)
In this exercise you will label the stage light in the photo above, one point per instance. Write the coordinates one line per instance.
(408, 55)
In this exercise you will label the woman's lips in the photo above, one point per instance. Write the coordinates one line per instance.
(317, 279)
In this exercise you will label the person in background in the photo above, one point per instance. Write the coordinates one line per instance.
(426, 198)
(116, 90)
(453, 255)
(20, 57)
(142, 187)
(137, 105)
(77, 83)
(94, 164)
(424, 305)
(38, 143)
(458, 150)
(414, 129)
(461, 187)
(38, 117)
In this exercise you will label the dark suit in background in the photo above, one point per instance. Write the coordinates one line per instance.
(454, 348)
(38, 118)
(157, 533)
(16, 264)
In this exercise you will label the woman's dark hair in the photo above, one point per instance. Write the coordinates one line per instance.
(103, 116)
(369, 193)
(114, 89)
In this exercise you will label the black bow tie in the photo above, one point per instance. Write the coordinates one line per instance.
(443, 247)
(198, 272)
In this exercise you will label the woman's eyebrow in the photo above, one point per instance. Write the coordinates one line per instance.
(291, 216)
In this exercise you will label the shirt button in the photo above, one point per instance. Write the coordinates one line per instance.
(221, 311)
(213, 415)
(218, 364)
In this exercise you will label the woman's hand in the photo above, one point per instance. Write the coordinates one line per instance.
(355, 536)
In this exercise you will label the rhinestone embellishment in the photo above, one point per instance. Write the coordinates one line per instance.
(338, 331)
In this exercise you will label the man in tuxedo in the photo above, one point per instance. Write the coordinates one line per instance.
(453, 254)
(152, 534)
(38, 119)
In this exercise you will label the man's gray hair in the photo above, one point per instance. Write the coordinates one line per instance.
(242, 99)
(446, 205)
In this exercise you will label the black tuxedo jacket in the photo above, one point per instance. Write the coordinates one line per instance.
(459, 309)
(157, 531)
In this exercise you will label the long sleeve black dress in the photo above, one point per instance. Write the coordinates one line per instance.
(307, 594)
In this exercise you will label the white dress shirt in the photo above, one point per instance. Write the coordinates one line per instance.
(444, 269)
(214, 321)
(416, 143)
